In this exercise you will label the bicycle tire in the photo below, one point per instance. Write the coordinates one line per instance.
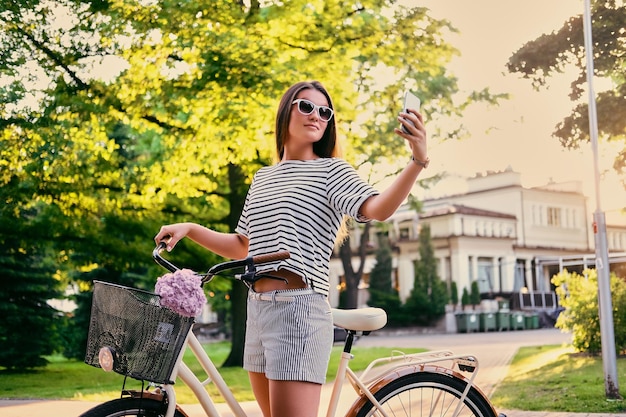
(428, 394)
(130, 407)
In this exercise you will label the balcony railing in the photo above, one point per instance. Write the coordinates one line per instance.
(535, 300)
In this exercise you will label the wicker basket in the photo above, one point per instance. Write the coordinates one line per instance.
(144, 337)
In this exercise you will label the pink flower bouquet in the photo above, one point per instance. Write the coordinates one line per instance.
(181, 291)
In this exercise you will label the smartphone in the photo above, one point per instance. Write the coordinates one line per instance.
(411, 101)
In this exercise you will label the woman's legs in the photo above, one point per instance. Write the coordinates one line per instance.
(294, 398)
(261, 389)
(288, 344)
(285, 398)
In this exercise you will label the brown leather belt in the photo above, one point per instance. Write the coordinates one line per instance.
(294, 281)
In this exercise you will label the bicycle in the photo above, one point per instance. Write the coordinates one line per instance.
(436, 383)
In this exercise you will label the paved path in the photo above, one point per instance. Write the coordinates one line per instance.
(494, 352)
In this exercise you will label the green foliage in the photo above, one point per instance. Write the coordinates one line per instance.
(465, 297)
(454, 293)
(27, 283)
(563, 49)
(380, 276)
(117, 117)
(429, 295)
(474, 295)
(74, 327)
(381, 290)
(578, 294)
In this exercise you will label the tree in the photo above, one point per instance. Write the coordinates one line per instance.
(381, 290)
(454, 294)
(551, 54)
(465, 298)
(381, 274)
(27, 283)
(119, 116)
(428, 297)
(352, 277)
(474, 295)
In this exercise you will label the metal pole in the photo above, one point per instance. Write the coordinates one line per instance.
(605, 304)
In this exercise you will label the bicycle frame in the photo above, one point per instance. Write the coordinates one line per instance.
(365, 386)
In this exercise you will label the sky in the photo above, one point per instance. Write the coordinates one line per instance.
(518, 133)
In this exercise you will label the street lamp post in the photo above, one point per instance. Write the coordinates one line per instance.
(605, 305)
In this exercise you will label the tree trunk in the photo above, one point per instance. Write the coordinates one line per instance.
(239, 292)
(238, 299)
(352, 277)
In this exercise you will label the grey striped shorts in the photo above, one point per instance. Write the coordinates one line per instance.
(289, 335)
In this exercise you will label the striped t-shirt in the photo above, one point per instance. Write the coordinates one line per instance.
(299, 206)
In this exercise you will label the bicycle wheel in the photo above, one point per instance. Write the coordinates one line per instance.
(428, 394)
(137, 407)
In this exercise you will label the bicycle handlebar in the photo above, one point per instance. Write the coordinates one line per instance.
(248, 262)
(270, 257)
(156, 255)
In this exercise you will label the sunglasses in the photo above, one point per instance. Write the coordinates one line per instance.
(306, 107)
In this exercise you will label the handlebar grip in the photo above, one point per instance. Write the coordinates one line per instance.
(271, 257)
(156, 255)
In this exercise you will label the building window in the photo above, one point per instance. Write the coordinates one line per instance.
(554, 216)
(519, 278)
(616, 240)
(485, 275)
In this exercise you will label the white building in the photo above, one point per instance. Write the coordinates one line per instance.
(509, 238)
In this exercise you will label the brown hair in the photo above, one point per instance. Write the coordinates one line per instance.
(324, 148)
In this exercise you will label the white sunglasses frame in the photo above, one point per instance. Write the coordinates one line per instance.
(315, 108)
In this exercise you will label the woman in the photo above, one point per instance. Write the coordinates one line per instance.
(298, 205)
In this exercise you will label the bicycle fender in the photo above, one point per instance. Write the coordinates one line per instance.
(391, 376)
(152, 395)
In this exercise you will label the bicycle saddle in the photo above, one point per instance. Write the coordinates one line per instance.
(361, 319)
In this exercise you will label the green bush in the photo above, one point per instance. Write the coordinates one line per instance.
(454, 293)
(474, 295)
(428, 298)
(578, 294)
(465, 297)
(381, 290)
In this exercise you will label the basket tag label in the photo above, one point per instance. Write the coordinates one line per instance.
(164, 332)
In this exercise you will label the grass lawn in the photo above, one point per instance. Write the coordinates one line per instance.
(545, 378)
(555, 378)
(74, 380)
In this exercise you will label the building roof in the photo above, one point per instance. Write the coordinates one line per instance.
(461, 209)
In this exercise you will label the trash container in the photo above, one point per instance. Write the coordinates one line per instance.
(503, 320)
(488, 322)
(517, 320)
(531, 321)
(535, 320)
(467, 322)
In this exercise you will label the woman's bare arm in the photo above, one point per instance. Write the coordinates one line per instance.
(381, 206)
(228, 245)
